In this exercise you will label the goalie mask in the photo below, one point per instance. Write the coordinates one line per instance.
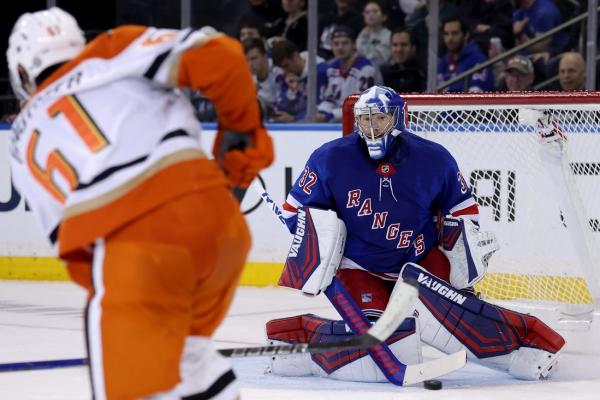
(40, 40)
(379, 115)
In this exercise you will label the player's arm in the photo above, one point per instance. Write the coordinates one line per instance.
(467, 248)
(202, 60)
(309, 213)
(215, 65)
(309, 190)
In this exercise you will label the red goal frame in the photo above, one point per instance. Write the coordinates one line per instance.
(453, 99)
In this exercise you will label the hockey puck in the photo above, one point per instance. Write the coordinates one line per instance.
(432, 384)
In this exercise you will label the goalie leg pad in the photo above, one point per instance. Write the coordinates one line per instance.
(451, 319)
(348, 365)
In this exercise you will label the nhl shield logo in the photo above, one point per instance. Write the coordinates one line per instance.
(385, 170)
(366, 297)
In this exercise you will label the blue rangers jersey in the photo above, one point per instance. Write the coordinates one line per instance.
(450, 66)
(342, 83)
(294, 100)
(388, 205)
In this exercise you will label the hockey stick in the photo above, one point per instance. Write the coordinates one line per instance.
(398, 307)
(48, 364)
(397, 310)
(381, 330)
(408, 374)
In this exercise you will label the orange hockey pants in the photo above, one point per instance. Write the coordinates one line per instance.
(162, 277)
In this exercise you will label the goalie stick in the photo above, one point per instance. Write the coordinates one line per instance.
(414, 373)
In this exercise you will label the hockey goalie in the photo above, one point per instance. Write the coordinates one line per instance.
(383, 205)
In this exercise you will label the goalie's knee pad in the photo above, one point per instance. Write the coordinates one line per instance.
(348, 365)
(451, 319)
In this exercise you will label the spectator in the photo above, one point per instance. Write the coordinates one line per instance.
(292, 101)
(249, 30)
(346, 14)
(489, 19)
(519, 75)
(348, 73)
(263, 14)
(409, 6)
(462, 55)
(417, 22)
(404, 74)
(533, 18)
(267, 77)
(395, 12)
(373, 41)
(294, 25)
(571, 71)
(292, 98)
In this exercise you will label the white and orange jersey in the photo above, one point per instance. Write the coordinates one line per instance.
(108, 136)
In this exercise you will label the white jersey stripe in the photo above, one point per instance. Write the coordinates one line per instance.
(292, 202)
(462, 205)
(94, 331)
(465, 204)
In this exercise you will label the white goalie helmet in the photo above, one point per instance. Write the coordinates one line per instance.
(40, 40)
(380, 116)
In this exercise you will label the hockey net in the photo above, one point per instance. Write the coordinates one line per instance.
(543, 206)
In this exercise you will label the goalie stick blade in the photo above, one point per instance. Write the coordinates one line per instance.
(432, 369)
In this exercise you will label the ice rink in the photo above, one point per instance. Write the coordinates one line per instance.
(43, 321)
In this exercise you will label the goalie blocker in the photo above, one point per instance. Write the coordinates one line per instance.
(316, 251)
(448, 318)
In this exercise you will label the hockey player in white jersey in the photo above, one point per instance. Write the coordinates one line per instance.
(268, 77)
(349, 72)
(106, 152)
(410, 215)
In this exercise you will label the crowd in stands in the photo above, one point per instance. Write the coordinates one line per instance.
(366, 42)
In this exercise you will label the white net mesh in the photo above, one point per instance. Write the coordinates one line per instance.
(542, 204)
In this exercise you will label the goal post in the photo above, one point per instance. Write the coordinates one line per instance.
(542, 200)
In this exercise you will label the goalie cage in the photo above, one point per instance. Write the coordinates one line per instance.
(544, 211)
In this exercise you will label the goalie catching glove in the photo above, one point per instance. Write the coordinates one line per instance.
(242, 155)
(548, 130)
(467, 248)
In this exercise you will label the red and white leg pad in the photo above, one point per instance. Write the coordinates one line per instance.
(524, 363)
(495, 337)
(349, 365)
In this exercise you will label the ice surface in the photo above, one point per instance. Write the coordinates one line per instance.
(43, 321)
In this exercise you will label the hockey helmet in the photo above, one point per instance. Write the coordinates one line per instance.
(40, 40)
(379, 115)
